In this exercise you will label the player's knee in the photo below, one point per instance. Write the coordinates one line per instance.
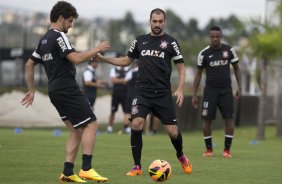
(137, 123)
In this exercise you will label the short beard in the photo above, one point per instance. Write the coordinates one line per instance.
(157, 33)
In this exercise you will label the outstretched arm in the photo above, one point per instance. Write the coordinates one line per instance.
(79, 57)
(181, 84)
(120, 61)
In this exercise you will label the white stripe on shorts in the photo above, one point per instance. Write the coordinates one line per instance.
(81, 122)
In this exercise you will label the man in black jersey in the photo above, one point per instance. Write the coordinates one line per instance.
(90, 81)
(216, 59)
(153, 89)
(58, 57)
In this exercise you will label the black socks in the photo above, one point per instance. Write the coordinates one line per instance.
(177, 143)
(136, 145)
(68, 169)
(86, 162)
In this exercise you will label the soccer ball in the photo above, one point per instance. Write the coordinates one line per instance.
(159, 170)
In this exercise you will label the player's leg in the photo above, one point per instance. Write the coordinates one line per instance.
(209, 106)
(163, 108)
(83, 120)
(126, 107)
(68, 112)
(88, 140)
(114, 108)
(207, 133)
(155, 125)
(226, 107)
(72, 147)
(139, 112)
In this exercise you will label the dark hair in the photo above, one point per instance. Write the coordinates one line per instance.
(157, 11)
(92, 60)
(215, 28)
(63, 8)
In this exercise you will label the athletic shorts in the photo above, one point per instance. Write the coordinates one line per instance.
(119, 98)
(73, 105)
(162, 107)
(217, 97)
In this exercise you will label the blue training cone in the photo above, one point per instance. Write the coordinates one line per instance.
(57, 132)
(253, 142)
(18, 130)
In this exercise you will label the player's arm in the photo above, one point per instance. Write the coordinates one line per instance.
(79, 57)
(87, 76)
(196, 83)
(181, 84)
(237, 73)
(29, 75)
(120, 61)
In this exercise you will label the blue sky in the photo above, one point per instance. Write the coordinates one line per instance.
(202, 10)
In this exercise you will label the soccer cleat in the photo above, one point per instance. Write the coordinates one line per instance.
(91, 174)
(72, 178)
(226, 154)
(136, 170)
(185, 163)
(208, 153)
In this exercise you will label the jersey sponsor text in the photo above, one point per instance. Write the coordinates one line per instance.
(62, 43)
(155, 53)
(175, 48)
(47, 57)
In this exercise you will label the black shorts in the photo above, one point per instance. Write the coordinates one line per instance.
(73, 105)
(217, 97)
(119, 98)
(162, 107)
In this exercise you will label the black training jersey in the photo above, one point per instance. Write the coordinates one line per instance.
(217, 65)
(155, 54)
(51, 51)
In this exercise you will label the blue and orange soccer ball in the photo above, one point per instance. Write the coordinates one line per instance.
(159, 170)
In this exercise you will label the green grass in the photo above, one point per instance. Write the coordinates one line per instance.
(36, 156)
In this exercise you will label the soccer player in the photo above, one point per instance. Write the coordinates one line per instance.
(58, 57)
(216, 59)
(90, 81)
(117, 75)
(155, 52)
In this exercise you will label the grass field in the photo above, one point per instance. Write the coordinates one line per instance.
(36, 156)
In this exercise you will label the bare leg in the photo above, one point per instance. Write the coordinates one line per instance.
(207, 131)
(229, 127)
(73, 142)
(148, 124)
(89, 137)
(111, 122)
(229, 131)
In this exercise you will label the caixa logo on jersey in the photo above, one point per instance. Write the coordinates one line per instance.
(218, 63)
(155, 53)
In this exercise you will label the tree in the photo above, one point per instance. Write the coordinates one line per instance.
(175, 25)
(267, 47)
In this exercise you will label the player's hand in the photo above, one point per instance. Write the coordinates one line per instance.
(238, 94)
(99, 57)
(103, 46)
(195, 102)
(179, 98)
(28, 99)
